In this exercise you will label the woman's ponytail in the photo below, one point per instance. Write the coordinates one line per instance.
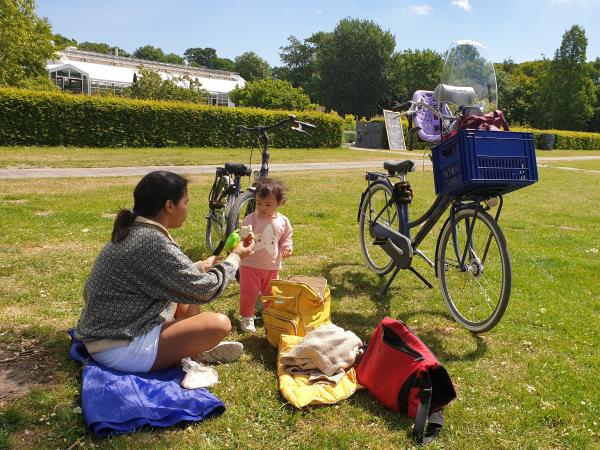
(149, 197)
(123, 221)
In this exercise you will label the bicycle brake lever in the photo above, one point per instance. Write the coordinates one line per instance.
(299, 129)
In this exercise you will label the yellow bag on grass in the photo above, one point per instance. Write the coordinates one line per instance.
(297, 305)
(299, 392)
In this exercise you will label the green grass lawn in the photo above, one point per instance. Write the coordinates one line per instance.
(28, 157)
(588, 165)
(531, 382)
(56, 157)
(554, 153)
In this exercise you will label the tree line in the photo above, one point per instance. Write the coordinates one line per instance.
(353, 69)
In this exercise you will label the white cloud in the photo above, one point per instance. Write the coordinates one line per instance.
(464, 4)
(420, 10)
(319, 12)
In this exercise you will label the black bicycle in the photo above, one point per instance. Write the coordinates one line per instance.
(227, 203)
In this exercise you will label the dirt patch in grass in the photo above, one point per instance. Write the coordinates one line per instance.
(23, 366)
(19, 201)
(43, 213)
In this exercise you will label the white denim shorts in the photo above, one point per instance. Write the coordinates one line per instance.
(138, 356)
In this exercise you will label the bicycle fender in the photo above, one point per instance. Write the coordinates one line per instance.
(362, 199)
(364, 193)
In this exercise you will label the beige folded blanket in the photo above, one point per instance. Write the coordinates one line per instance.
(323, 354)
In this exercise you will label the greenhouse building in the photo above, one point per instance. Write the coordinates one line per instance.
(90, 73)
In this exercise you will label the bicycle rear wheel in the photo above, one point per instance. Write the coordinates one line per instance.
(374, 203)
(243, 206)
(216, 218)
(477, 294)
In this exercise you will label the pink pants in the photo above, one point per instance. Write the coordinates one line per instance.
(253, 283)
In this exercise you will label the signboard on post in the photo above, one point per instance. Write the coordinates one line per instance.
(393, 127)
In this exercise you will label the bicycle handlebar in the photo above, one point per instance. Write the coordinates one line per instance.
(291, 119)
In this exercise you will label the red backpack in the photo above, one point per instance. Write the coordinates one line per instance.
(403, 374)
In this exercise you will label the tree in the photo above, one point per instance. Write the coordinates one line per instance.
(224, 64)
(173, 58)
(412, 70)
(300, 63)
(594, 124)
(25, 45)
(61, 42)
(353, 64)
(207, 57)
(270, 94)
(201, 57)
(101, 47)
(252, 67)
(150, 86)
(517, 84)
(566, 94)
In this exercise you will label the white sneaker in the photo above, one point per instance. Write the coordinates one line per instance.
(247, 324)
(226, 351)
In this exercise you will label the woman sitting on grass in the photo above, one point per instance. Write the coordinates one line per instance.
(141, 308)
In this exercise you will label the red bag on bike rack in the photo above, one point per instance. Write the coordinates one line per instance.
(403, 374)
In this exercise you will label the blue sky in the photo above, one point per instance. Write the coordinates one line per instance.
(520, 29)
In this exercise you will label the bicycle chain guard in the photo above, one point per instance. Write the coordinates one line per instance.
(396, 245)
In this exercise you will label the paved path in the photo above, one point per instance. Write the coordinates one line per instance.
(136, 171)
(206, 169)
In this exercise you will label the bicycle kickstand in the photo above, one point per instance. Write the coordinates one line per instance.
(421, 277)
(389, 282)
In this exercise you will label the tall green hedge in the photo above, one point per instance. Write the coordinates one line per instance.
(52, 119)
(566, 140)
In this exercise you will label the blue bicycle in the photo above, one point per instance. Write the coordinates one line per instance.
(473, 169)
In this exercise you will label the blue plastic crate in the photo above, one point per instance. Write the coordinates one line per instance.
(480, 163)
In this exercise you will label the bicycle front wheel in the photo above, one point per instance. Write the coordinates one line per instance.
(477, 293)
(375, 207)
(216, 218)
(243, 206)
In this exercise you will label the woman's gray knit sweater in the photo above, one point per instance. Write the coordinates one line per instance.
(134, 281)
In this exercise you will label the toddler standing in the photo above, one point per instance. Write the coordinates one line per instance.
(273, 242)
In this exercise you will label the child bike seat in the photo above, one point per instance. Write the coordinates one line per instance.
(458, 95)
(426, 124)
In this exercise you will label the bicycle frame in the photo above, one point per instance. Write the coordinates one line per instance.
(233, 195)
(428, 220)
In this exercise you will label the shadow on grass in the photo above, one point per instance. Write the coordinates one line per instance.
(393, 421)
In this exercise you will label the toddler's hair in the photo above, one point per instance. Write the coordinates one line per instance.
(269, 186)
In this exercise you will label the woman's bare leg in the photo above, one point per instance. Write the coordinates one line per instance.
(186, 337)
(184, 311)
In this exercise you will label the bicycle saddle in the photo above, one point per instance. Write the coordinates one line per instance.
(401, 167)
(238, 169)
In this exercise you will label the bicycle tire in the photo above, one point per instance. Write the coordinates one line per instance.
(216, 218)
(375, 258)
(243, 206)
(479, 294)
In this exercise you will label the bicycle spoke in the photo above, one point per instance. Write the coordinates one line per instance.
(476, 293)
